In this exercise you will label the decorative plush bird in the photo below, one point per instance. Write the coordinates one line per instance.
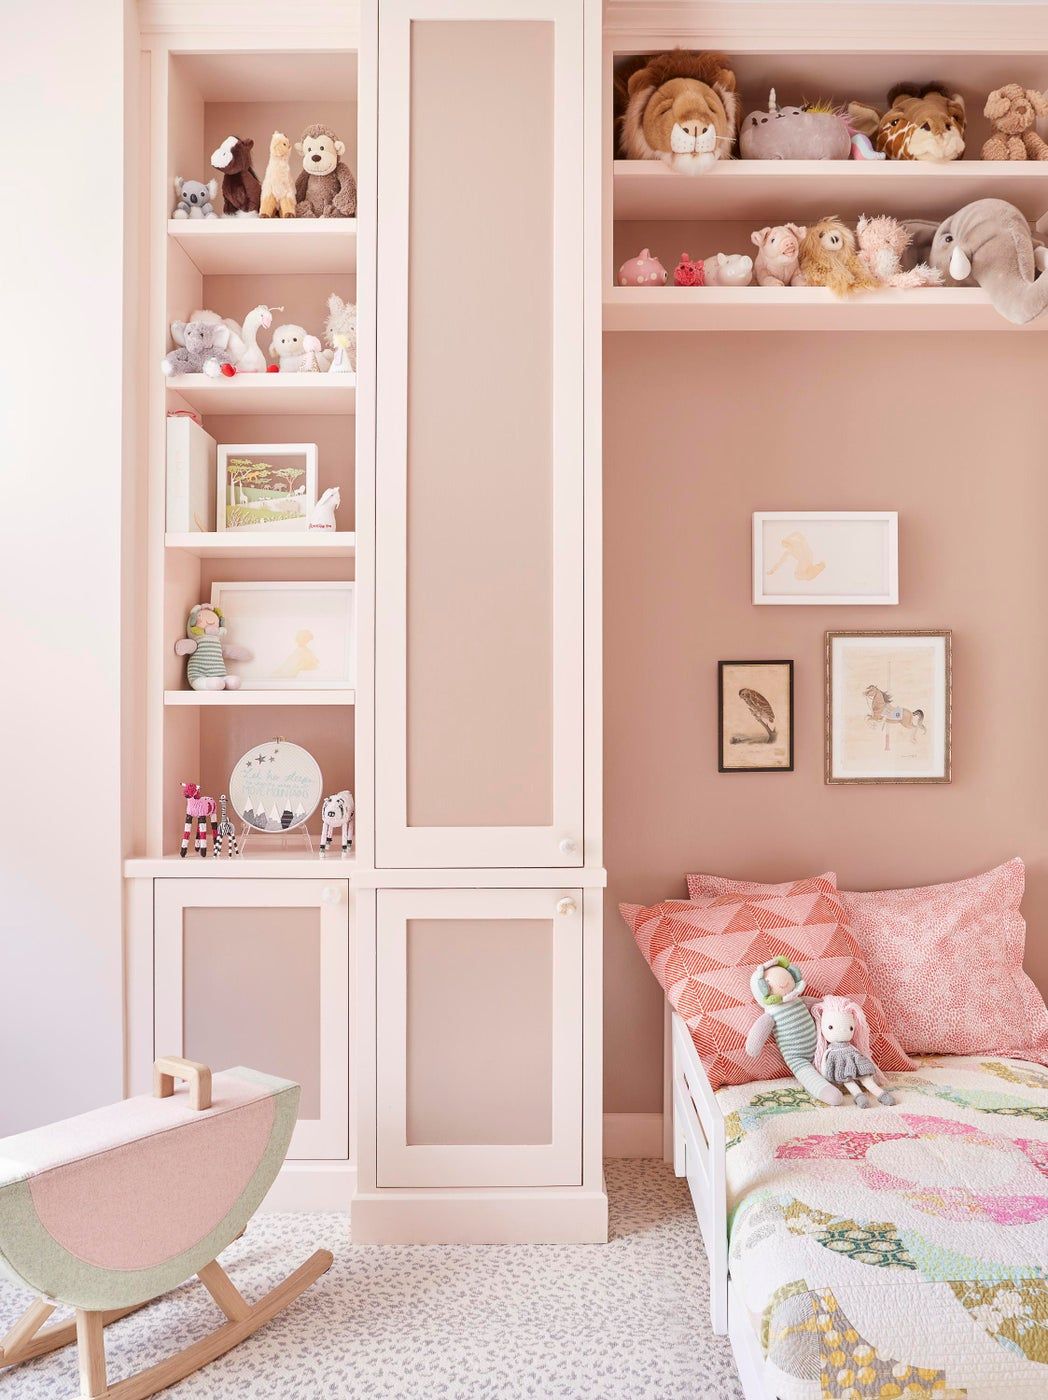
(761, 711)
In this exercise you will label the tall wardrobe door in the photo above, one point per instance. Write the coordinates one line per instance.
(479, 434)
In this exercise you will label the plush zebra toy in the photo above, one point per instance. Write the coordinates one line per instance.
(337, 810)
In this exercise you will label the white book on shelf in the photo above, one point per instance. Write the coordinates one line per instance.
(191, 459)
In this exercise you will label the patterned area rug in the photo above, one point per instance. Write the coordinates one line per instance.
(547, 1322)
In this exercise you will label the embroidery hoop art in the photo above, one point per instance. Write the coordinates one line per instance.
(274, 789)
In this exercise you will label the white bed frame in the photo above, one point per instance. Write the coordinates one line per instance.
(698, 1155)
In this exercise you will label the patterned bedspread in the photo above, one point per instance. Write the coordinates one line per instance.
(896, 1252)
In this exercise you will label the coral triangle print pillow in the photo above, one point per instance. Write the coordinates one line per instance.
(703, 951)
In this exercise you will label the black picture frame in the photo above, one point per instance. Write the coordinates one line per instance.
(723, 667)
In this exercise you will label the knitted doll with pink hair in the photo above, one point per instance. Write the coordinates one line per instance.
(842, 1051)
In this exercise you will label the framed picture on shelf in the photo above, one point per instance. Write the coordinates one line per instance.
(888, 699)
(267, 486)
(301, 635)
(826, 557)
(755, 716)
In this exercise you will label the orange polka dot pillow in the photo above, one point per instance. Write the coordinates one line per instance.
(703, 951)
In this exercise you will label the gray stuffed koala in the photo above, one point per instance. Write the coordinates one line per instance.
(203, 349)
(193, 199)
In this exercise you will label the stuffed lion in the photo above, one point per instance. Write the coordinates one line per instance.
(681, 108)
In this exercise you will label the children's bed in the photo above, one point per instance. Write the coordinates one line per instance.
(882, 1252)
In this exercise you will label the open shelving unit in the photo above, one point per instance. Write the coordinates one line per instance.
(264, 393)
(239, 246)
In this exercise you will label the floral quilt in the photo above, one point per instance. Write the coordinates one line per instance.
(896, 1252)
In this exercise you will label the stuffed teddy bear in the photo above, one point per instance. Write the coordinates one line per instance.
(778, 986)
(278, 188)
(203, 349)
(829, 258)
(679, 107)
(1013, 111)
(241, 192)
(341, 324)
(193, 199)
(882, 242)
(326, 189)
(778, 255)
(842, 1051)
(728, 270)
(203, 644)
(295, 350)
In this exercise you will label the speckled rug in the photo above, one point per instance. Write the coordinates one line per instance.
(497, 1322)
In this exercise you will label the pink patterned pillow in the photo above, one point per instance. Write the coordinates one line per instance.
(947, 961)
(704, 951)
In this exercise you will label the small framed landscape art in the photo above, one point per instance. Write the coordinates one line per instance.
(755, 716)
(888, 698)
(266, 487)
(826, 557)
(300, 635)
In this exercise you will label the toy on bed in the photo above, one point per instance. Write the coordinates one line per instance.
(109, 1210)
(922, 122)
(194, 199)
(679, 107)
(241, 191)
(814, 131)
(207, 652)
(1013, 111)
(778, 985)
(829, 258)
(882, 241)
(778, 255)
(842, 1051)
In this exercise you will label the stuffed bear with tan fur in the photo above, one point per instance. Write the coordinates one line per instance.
(681, 108)
(1014, 110)
(326, 189)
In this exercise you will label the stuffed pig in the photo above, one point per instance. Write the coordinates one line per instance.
(728, 270)
(778, 255)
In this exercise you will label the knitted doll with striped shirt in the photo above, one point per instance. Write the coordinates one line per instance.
(207, 652)
(777, 985)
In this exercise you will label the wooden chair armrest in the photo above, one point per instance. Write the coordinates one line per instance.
(171, 1067)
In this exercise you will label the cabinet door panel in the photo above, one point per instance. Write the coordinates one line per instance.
(479, 1037)
(479, 435)
(256, 973)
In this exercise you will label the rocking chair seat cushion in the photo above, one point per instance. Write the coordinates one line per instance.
(113, 1207)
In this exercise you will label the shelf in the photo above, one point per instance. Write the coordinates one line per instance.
(286, 544)
(267, 393)
(259, 697)
(267, 245)
(803, 309)
(774, 191)
(251, 865)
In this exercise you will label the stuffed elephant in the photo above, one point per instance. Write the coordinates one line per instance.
(203, 348)
(988, 244)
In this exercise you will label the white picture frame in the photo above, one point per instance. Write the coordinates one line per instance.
(826, 558)
(302, 636)
(266, 506)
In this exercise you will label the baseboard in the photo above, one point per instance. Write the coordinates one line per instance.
(548, 1215)
(633, 1135)
(312, 1186)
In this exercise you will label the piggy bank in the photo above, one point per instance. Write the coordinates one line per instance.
(642, 271)
(728, 270)
(688, 273)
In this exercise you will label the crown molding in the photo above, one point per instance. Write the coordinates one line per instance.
(335, 21)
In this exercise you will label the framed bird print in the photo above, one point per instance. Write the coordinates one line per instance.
(755, 716)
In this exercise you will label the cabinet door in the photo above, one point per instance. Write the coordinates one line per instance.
(479, 1052)
(256, 973)
(479, 434)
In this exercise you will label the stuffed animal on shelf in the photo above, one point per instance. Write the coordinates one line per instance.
(278, 188)
(225, 832)
(203, 349)
(337, 810)
(642, 271)
(326, 189)
(1013, 111)
(322, 516)
(201, 810)
(842, 1051)
(295, 350)
(778, 255)
(922, 122)
(688, 273)
(193, 200)
(862, 148)
(241, 191)
(989, 244)
(341, 321)
(829, 258)
(882, 242)
(728, 270)
(203, 644)
(679, 107)
(235, 345)
(778, 986)
(252, 358)
(815, 131)
(340, 361)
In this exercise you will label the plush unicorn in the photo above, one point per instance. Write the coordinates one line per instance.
(842, 1050)
(337, 810)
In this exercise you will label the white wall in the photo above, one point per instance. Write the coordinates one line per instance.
(61, 237)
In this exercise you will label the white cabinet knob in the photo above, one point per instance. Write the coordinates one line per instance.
(330, 894)
(568, 847)
(566, 906)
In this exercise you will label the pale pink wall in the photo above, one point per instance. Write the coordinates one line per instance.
(952, 433)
